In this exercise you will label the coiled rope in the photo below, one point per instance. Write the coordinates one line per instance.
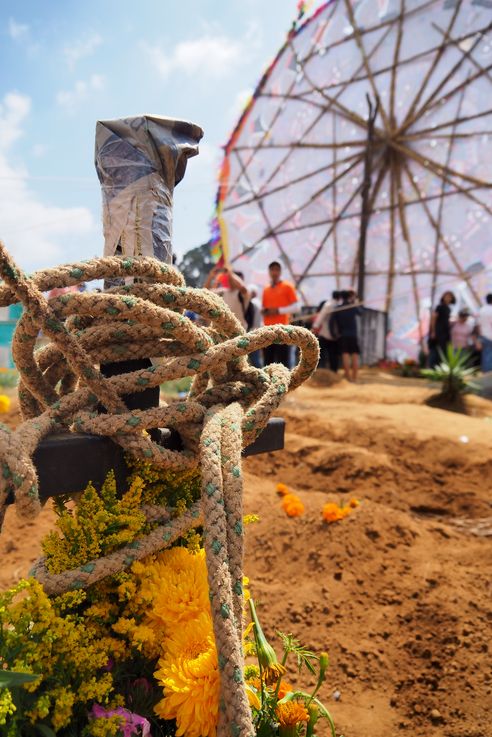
(228, 406)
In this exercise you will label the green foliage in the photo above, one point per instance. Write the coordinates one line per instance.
(11, 679)
(9, 377)
(453, 372)
(304, 657)
(195, 265)
(277, 710)
(177, 387)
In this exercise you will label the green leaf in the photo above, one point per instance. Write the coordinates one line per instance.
(12, 679)
(325, 713)
(291, 645)
(453, 372)
(45, 731)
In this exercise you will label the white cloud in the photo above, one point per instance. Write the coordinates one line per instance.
(212, 55)
(70, 99)
(81, 48)
(13, 110)
(17, 31)
(35, 233)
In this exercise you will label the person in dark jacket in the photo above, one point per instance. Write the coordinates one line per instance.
(440, 328)
(343, 325)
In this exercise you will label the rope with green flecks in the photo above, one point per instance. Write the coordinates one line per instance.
(228, 406)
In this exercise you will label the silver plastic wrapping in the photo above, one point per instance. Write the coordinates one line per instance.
(139, 161)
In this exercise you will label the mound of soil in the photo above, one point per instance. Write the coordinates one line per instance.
(399, 592)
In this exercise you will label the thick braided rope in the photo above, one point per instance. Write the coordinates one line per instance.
(222, 508)
(228, 406)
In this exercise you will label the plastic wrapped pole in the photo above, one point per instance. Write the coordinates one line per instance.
(139, 161)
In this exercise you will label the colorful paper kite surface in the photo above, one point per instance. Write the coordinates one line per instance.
(292, 176)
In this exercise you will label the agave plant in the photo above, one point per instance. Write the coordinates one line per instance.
(453, 371)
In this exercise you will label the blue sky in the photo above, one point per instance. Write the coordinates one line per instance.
(66, 64)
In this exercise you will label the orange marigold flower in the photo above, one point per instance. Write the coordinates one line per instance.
(354, 503)
(282, 489)
(332, 512)
(284, 689)
(291, 713)
(292, 505)
(255, 682)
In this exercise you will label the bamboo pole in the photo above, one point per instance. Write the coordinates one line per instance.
(269, 226)
(360, 45)
(311, 199)
(409, 118)
(334, 202)
(288, 184)
(441, 206)
(406, 236)
(366, 187)
(460, 271)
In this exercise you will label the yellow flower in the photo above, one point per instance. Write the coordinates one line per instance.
(67, 655)
(354, 503)
(176, 586)
(251, 672)
(291, 713)
(188, 672)
(250, 519)
(62, 712)
(7, 706)
(253, 699)
(4, 403)
(143, 636)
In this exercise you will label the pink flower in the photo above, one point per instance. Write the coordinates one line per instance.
(133, 724)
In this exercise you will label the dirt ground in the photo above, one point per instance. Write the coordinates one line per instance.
(400, 592)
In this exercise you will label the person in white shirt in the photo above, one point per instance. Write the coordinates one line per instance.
(485, 327)
(329, 353)
(229, 285)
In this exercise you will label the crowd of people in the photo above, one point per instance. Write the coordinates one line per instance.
(279, 301)
(335, 322)
(471, 333)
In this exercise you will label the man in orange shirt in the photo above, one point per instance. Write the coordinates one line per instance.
(279, 300)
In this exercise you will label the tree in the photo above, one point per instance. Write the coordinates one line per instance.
(196, 264)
